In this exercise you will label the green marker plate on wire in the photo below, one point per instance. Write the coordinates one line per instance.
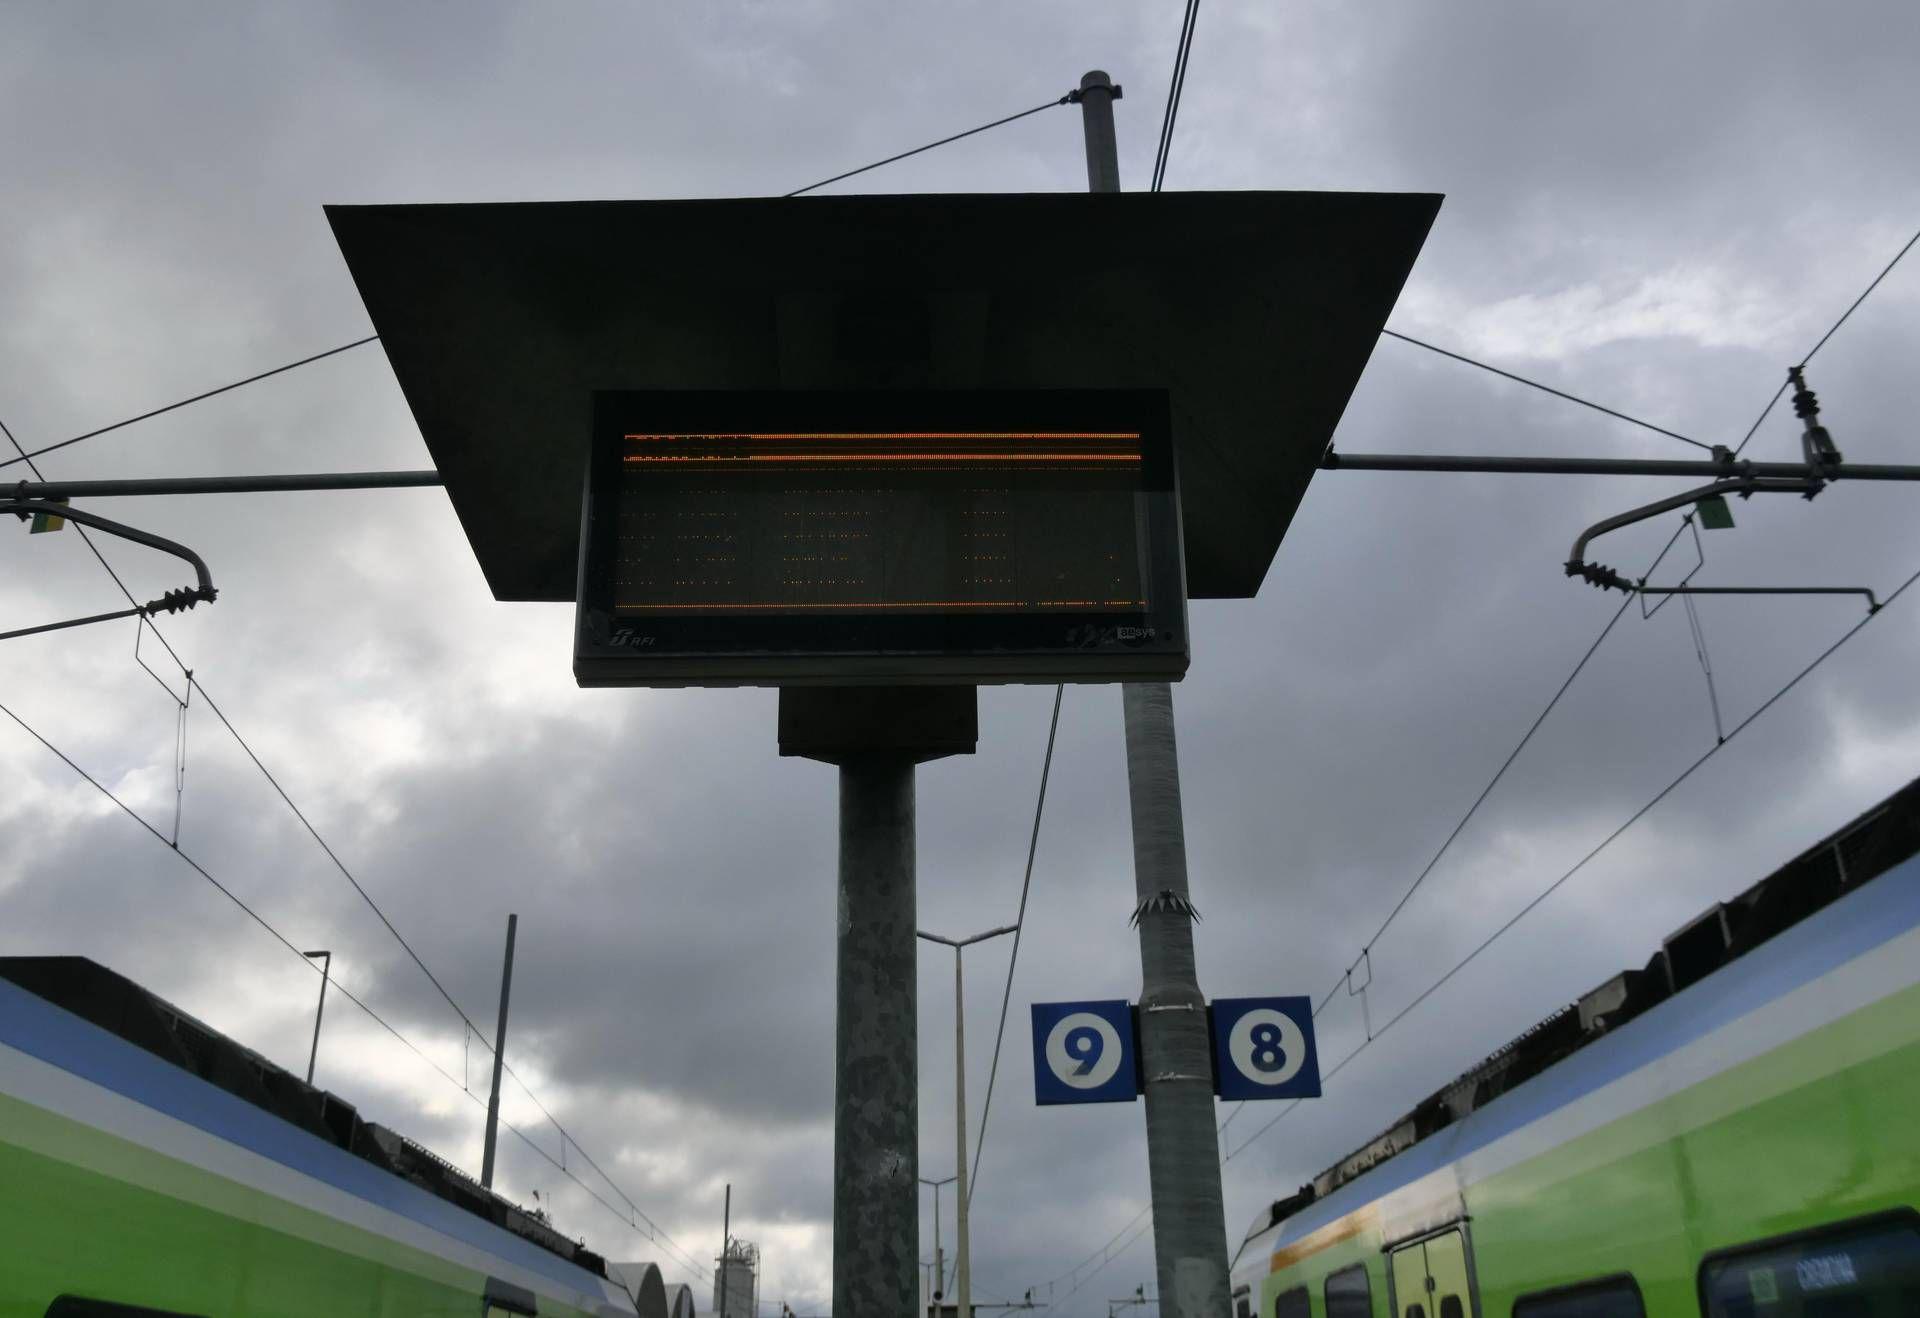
(1714, 513)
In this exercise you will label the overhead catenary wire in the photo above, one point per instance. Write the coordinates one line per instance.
(1013, 958)
(1539, 898)
(1544, 388)
(336, 986)
(159, 411)
(1167, 129)
(1111, 1255)
(332, 855)
(1045, 105)
(1102, 1253)
(1832, 329)
(1473, 809)
(135, 605)
(1176, 85)
(194, 683)
(1855, 306)
(374, 906)
(1693, 622)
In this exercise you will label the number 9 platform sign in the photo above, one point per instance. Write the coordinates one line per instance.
(1263, 1048)
(1083, 1052)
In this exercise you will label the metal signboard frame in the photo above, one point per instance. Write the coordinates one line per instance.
(771, 455)
(1264, 1048)
(1085, 1052)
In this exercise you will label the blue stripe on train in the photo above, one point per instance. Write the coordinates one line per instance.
(1878, 911)
(56, 1036)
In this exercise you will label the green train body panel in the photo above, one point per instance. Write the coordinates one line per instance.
(1818, 1130)
(147, 1162)
(214, 1247)
(1842, 1146)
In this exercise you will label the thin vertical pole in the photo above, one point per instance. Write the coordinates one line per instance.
(963, 1265)
(1189, 1218)
(499, 1058)
(726, 1233)
(1096, 122)
(326, 970)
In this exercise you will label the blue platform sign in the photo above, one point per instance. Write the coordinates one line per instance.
(1263, 1048)
(1083, 1052)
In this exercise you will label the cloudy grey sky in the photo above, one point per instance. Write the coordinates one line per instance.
(1658, 206)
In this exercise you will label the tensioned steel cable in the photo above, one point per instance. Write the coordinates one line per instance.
(196, 684)
(1019, 924)
(278, 370)
(374, 906)
(333, 856)
(1582, 863)
(1908, 246)
(27, 457)
(1366, 948)
(658, 1235)
(1047, 105)
(1545, 388)
(282, 939)
(34, 467)
(1103, 1255)
(1176, 85)
(1831, 331)
(1052, 1304)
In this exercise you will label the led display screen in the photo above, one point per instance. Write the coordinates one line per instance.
(787, 538)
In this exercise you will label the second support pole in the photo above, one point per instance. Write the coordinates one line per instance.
(876, 1123)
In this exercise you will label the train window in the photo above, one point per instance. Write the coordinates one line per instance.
(1858, 1270)
(1242, 1303)
(1347, 1294)
(503, 1299)
(1609, 1297)
(72, 1306)
(1450, 1307)
(1293, 1304)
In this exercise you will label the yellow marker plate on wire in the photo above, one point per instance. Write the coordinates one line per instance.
(47, 521)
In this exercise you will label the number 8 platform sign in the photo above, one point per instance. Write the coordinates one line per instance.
(1083, 1052)
(1263, 1048)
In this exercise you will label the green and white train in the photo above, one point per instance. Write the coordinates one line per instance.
(153, 1168)
(1732, 1132)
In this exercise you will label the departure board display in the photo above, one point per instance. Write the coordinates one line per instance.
(777, 539)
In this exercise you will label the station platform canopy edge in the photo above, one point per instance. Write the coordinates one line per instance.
(1255, 311)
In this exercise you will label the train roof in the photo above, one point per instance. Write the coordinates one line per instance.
(1838, 864)
(149, 1022)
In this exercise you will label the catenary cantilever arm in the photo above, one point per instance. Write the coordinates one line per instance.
(1599, 575)
(171, 602)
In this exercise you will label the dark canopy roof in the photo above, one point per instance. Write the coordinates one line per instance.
(1255, 310)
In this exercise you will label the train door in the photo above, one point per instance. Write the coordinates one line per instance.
(1431, 1278)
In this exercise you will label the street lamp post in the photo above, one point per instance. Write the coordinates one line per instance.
(963, 1263)
(939, 1259)
(326, 971)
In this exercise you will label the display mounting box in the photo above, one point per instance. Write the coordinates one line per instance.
(880, 538)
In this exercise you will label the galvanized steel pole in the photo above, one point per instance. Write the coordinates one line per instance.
(1189, 1218)
(499, 1059)
(876, 1120)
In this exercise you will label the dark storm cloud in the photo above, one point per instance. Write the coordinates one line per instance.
(1657, 209)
